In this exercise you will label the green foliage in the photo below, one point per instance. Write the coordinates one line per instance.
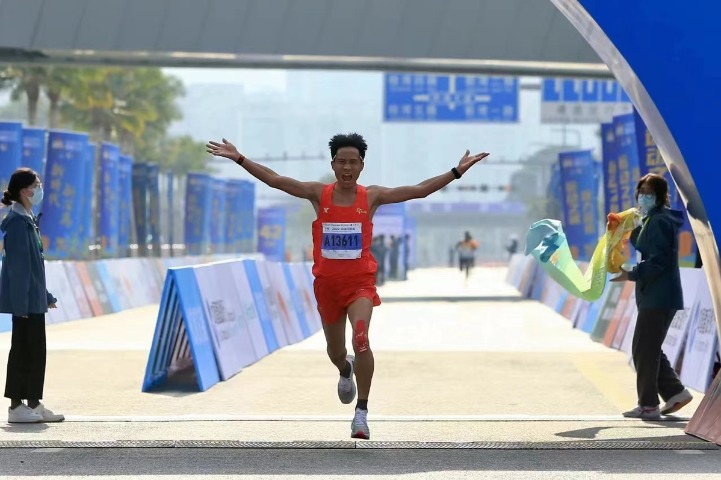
(179, 154)
(133, 107)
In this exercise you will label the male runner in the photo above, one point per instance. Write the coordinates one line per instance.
(343, 266)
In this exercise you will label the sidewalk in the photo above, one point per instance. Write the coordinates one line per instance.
(446, 371)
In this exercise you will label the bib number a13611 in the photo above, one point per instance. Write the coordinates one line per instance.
(342, 241)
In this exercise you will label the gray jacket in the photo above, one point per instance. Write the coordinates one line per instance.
(657, 276)
(22, 277)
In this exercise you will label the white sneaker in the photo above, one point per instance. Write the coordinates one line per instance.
(346, 386)
(23, 414)
(677, 402)
(46, 415)
(644, 413)
(359, 426)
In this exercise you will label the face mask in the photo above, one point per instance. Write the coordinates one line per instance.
(646, 202)
(37, 197)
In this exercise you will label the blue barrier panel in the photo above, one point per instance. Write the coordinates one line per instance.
(266, 321)
(181, 334)
(109, 286)
(297, 300)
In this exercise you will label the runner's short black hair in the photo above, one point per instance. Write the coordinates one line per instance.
(348, 140)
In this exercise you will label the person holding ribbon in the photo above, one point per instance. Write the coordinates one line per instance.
(23, 294)
(658, 296)
(343, 266)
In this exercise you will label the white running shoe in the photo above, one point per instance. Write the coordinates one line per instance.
(359, 426)
(677, 402)
(644, 413)
(47, 415)
(23, 414)
(346, 386)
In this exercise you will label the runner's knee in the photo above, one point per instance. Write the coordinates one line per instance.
(360, 337)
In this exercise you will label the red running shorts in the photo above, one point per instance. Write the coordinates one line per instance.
(334, 294)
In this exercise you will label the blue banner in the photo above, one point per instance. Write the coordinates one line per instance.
(88, 219)
(628, 164)
(197, 224)
(687, 247)
(11, 137)
(170, 191)
(271, 233)
(650, 159)
(64, 189)
(611, 194)
(140, 205)
(217, 216)
(248, 216)
(154, 207)
(450, 98)
(34, 150)
(109, 211)
(554, 206)
(580, 218)
(125, 203)
(234, 207)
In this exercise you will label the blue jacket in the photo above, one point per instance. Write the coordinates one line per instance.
(22, 277)
(657, 276)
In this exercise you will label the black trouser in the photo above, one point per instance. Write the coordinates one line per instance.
(654, 373)
(26, 362)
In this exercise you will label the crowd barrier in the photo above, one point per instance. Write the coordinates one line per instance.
(216, 319)
(87, 289)
(691, 345)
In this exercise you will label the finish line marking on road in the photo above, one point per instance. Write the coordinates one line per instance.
(344, 418)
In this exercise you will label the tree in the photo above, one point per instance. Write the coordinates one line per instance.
(25, 81)
(133, 107)
(59, 83)
(178, 154)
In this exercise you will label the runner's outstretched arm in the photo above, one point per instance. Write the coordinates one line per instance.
(307, 190)
(385, 195)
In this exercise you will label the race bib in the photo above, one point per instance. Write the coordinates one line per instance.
(341, 241)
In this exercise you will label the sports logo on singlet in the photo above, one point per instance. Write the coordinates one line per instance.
(342, 241)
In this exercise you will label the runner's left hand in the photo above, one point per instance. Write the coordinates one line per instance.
(469, 160)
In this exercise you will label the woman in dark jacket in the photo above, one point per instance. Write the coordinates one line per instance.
(23, 294)
(658, 297)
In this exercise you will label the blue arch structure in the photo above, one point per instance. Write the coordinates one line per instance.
(667, 56)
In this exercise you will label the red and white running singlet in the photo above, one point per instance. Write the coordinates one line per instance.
(342, 237)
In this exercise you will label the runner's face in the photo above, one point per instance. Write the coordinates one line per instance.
(347, 165)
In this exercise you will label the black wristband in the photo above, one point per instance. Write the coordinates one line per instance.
(240, 160)
(456, 173)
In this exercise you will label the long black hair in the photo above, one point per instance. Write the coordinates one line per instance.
(21, 178)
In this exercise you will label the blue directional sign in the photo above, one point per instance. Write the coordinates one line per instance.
(565, 100)
(450, 98)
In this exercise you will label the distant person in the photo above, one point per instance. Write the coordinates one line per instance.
(467, 253)
(406, 253)
(394, 256)
(23, 295)
(512, 246)
(343, 267)
(378, 250)
(659, 296)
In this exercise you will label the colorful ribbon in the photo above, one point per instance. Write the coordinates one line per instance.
(549, 246)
